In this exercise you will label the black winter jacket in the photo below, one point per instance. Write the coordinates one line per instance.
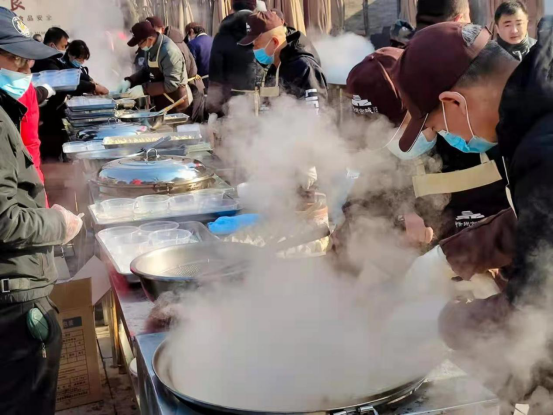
(525, 134)
(231, 66)
(300, 69)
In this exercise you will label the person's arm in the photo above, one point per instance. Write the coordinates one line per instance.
(22, 228)
(489, 244)
(140, 77)
(174, 74)
(193, 49)
(306, 77)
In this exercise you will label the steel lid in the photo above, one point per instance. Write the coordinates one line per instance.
(152, 169)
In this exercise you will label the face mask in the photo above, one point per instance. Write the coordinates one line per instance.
(15, 83)
(475, 145)
(146, 48)
(262, 56)
(420, 147)
(76, 63)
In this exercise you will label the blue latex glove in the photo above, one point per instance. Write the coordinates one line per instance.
(230, 224)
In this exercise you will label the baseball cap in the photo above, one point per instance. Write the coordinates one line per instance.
(372, 88)
(259, 23)
(155, 21)
(433, 61)
(141, 31)
(15, 38)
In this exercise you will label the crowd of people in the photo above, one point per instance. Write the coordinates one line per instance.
(448, 88)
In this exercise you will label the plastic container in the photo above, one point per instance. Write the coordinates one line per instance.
(162, 239)
(107, 235)
(158, 226)
(183, 203)
(152, 204)
(209, 198)
(118, 208)
(126, 248)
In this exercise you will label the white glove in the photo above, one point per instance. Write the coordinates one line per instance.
(73, 223)
(123, 87)
(481, 286)
(50, 90)
(430, 274)
(136, 92)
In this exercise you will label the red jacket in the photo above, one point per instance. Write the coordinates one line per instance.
(29, 128)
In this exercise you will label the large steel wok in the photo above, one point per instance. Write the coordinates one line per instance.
(367, 405)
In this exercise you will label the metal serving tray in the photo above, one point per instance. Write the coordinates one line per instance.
(200, 233)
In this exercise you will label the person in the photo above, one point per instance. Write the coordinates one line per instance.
(37, 37)
(75, 57)
(233, 69)
(31, 338)
(430, 12)
(400, 34)
(490, 101)
(165, 78)
(511, 23)
(200, 44)
(176, 36)
(51, 131)
(292, 69)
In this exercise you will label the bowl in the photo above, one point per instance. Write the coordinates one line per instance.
(126, 248)
(209, 198)
(182, 203)
(161, 239)
(107, 235)
(152, 204)
(158, 226)
(118, 208)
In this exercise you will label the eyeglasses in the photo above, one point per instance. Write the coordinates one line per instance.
(18, 60)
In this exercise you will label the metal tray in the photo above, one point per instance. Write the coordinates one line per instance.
(200, 233)
(363, 406)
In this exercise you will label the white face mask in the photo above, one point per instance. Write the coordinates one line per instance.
(419, 147)
(15, 83)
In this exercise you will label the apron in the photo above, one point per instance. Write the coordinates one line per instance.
(458, 181)
(264, 93)
(163, 101)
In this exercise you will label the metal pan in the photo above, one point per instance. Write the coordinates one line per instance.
(368, 405)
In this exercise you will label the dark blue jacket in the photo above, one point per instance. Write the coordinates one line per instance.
(201, 50)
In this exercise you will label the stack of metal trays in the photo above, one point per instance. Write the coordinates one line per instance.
(85, 111)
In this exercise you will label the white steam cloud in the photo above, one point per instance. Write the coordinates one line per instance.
(298, 335)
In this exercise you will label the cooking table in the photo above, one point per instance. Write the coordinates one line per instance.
(448, 390)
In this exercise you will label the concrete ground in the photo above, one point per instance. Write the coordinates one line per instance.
(118, 394)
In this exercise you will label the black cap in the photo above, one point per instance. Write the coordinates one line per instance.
(141, 31)
(16, 38)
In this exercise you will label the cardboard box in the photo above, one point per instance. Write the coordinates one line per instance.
(79, 378)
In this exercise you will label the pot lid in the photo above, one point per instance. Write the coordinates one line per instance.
(151, 169)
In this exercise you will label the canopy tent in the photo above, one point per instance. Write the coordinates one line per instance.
(318, 15)
(408, 11)
(221, 9)
(180, 14)
(292, 10)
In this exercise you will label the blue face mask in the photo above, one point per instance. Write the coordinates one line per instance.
(475, 145)
(76, 63)
(420, 147)
(262, 56)
(14, 83)
(146, 48)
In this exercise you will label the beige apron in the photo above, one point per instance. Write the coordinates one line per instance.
(458, 181)
(263, 92)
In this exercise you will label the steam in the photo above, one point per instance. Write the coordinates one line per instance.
(101, 25)
(340, 54)
(298, 335)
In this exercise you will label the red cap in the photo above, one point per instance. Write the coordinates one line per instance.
(433, 61)
(155, 21)
(372, 88)
(141, 31)
(259, 23)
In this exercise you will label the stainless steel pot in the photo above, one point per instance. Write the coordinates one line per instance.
(151, 173)
(152, 120)
(365, 406)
